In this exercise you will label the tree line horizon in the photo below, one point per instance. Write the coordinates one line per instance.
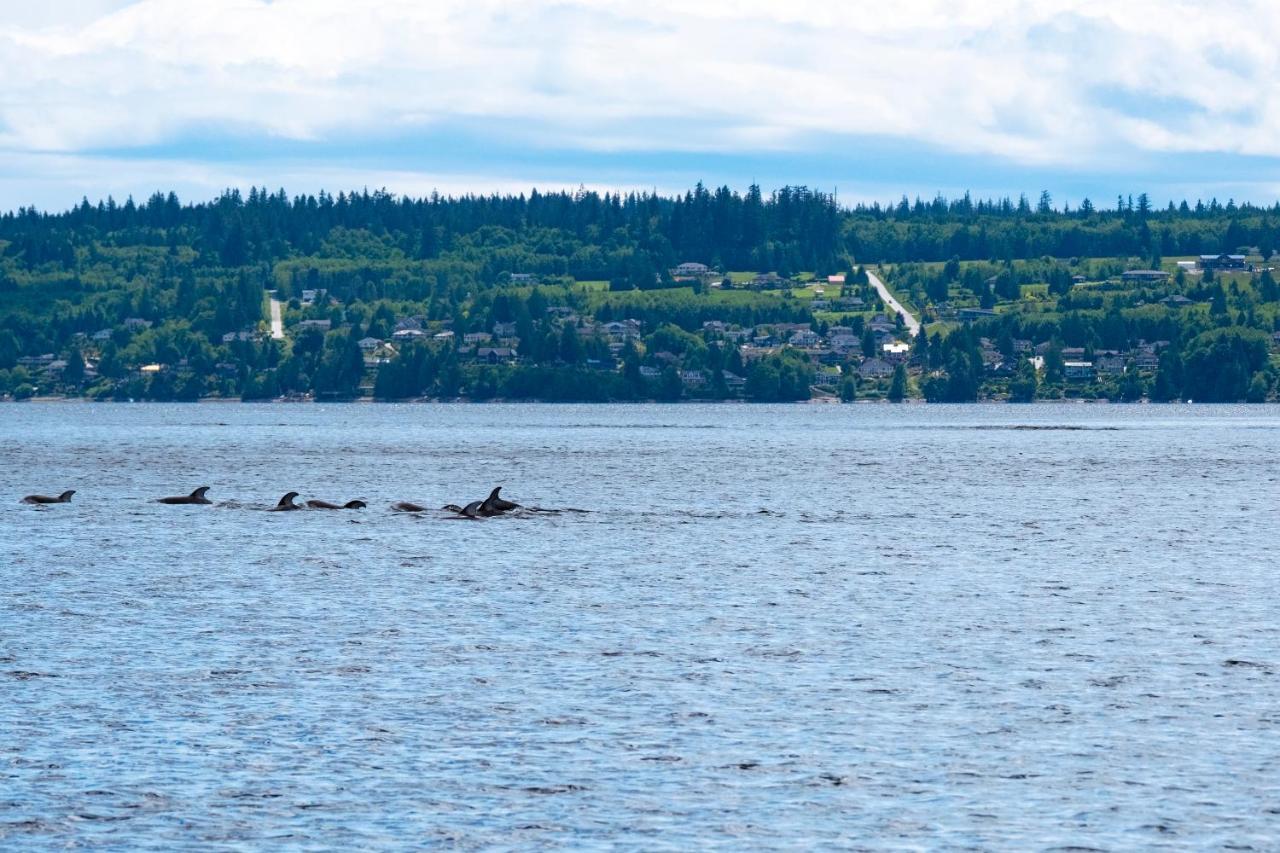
(792, 228)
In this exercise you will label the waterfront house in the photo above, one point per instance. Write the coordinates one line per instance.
(1110, 365)
(827, 376)
(875, 368)
(693, 378)
(1078, 371)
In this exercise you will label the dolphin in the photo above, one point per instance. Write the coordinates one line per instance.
(64, 498)
(196, 497)
(495, 505)
(471, 510)
(405, 506)
(286, 503)
(327, 505)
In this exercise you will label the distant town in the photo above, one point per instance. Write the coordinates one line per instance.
(171, 302)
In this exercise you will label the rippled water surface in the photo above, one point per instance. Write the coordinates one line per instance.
(777, 627)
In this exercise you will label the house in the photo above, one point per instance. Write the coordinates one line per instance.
(1146, 361)
(715, 327)
(522, 278)
(827, 376)
(875, 368)
(504, 330)
(620, 330)
(693, 378)
(733, 380)
(820, 305)
(1021, 345)
(40, 361)
(477, 338)
(650, 372)
(409, 335)
(136, 324)
(850, 303)
(1078, 371)
(232, 337)
(835, 279)
(895, 348)
(1110, 365)
(1144, 276)
(1176, 300)
(495, 355)
(101, 336)
(1222, 262)
(844, 342)
(322, 325)
(806, 338)
(309, 296)
(768, 280)
(446, 335)
(368, 344)
(690, 269)
(379, 355)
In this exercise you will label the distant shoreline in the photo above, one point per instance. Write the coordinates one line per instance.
(497, 401)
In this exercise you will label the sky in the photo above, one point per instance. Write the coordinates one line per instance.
(867, 98)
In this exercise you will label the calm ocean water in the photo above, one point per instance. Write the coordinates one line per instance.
(798, 626)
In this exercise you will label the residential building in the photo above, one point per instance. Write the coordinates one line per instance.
(1223, 262)
(1078, 371)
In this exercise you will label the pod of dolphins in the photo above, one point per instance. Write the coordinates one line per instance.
(493, 505)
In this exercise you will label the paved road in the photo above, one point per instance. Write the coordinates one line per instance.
(277, 322)
(912, 324)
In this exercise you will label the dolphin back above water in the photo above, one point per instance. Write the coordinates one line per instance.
(64, 498)
(286, 503)
(196, 497)
(314, 504)
(496, 505)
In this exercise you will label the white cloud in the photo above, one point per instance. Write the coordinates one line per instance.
(1062, 82)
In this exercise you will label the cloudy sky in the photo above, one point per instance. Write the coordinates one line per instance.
(871, 98)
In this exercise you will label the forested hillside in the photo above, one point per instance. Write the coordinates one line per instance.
(711, 294)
